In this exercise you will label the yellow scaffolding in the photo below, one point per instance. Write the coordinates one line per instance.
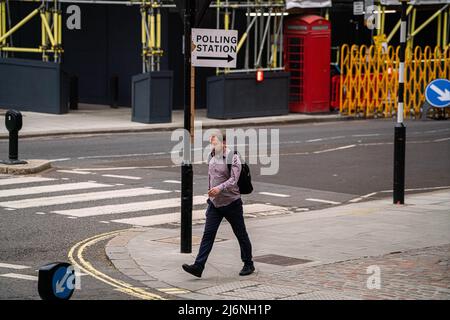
(151, 35)
(51, 33)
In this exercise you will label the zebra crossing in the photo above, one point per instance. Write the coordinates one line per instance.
(132, 205)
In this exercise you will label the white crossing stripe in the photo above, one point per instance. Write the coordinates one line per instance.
(73, 198)
(172, 181)
(335, 149)
(196, 215)
(443, 139)
(19, 276)
(74, 171)
(128, 207)
(322, 201)
(62, 159)
(9, 181)
(275, 194)
(13, 266)
(51, 188)
(121, 177)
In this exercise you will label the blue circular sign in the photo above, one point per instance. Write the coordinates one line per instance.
(63, 282)
(437, 93)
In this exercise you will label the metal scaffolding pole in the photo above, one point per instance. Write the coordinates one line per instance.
(264, 36)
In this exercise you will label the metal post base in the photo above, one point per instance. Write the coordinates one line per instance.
(12, 162)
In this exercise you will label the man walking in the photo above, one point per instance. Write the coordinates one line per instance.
(224, 202)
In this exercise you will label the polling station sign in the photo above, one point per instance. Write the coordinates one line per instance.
(215, 48)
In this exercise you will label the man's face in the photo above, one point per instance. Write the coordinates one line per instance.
(216, 144)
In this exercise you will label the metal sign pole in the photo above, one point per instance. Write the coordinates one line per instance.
(400, 129)
(186, 167)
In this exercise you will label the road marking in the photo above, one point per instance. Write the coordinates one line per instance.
(172, 181)
(9, 209)
(10, 181)
(363, 197)
(324, 139)
(128, 207)
(275, 194)
(81, 197)
(157, 219)
(302, 209)
(322, 201)
(121, 177)
(367, 135)
(51, 188)
(315, 140)
(40, 213)
(74, 171)
(336, 149)
(57, 160)
(122, 168)
(443, 139)
(19, 276)
(86, 267)
(105, 222)
(293, 154)
(13, 266)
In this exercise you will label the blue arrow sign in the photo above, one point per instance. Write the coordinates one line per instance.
(63, 282)
(437, 93)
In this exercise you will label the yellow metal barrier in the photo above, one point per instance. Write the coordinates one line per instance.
(369, 79)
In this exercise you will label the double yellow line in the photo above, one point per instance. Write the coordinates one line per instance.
(76, 258)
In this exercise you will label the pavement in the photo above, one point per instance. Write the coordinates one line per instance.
(30, 167)
(369, 250)
(90, 119)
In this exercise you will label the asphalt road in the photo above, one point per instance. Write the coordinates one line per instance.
(320, 165)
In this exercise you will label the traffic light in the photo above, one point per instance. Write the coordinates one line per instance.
(259, 75)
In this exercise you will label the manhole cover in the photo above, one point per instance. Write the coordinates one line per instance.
(280, 260)
(195, 240)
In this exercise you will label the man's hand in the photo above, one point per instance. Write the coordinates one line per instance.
(214, 192)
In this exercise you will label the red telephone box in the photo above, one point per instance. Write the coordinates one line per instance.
(307, 54)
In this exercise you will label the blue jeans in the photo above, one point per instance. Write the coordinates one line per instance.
(235, 216)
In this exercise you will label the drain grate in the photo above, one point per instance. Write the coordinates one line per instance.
(280, 260)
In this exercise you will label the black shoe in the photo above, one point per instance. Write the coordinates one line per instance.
(193, 269)
(247, 270)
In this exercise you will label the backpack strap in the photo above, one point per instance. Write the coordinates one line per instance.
(229, 164)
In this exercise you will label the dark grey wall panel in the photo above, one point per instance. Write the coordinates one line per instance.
(152, 97)
(239, 95)
(30, 85)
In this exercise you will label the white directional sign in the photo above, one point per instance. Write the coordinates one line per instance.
(214, 48)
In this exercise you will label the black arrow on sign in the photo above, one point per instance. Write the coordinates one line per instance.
(229, 58)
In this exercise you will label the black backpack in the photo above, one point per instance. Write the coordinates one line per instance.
(245, 178)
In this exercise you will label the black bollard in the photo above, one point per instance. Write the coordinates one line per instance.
(13, 123)
(114, 90)
(73, 93)
(186, 208)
